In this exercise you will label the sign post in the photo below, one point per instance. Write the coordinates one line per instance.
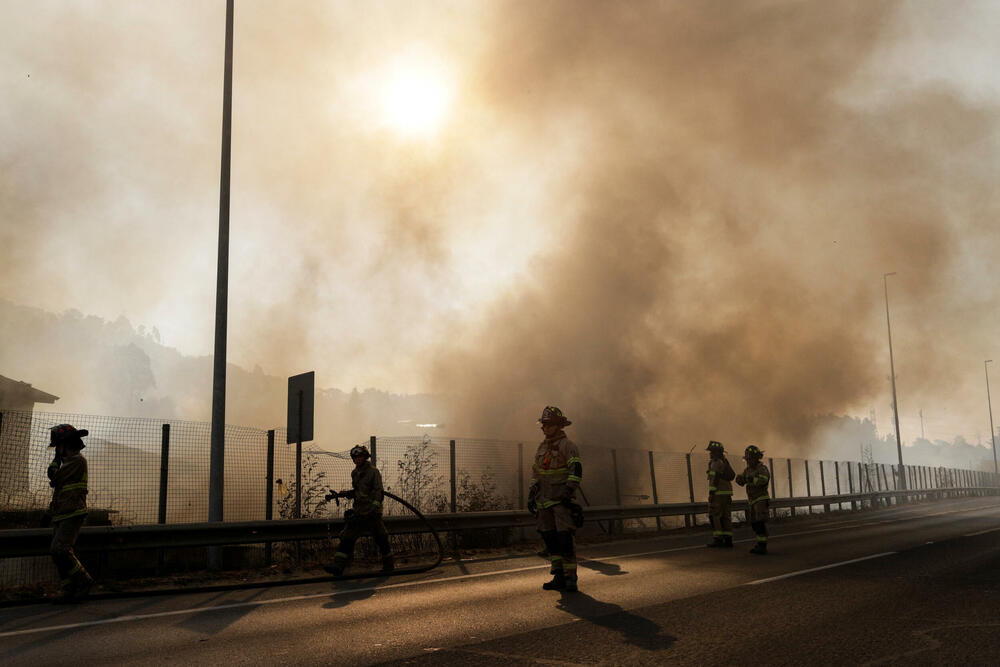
(301, 392)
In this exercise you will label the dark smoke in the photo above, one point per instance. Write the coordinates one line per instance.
(727, 218)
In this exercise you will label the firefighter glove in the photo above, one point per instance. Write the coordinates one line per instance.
(532, 505)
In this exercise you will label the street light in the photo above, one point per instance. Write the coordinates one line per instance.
(989, 405)
(216, 474)
(892, 376)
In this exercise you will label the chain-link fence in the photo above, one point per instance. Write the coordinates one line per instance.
(147, 471)
(144, 471)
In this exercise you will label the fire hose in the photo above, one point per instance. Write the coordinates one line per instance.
(397, 571)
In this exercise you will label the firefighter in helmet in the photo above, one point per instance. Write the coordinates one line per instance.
(556, 475)
(720, 495)
(756, 478)
(68, 510)
(366, 515)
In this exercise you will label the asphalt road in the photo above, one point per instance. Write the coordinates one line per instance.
(916, 584)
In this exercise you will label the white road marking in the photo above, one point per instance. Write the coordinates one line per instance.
(982, 532)
(406, 584)
(817, 569)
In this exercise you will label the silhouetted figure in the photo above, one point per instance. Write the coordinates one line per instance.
(68, 509)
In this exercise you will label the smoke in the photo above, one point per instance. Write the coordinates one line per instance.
(727, 212)
(668, 218)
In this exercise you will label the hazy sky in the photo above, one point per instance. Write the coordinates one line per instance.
(671, 218)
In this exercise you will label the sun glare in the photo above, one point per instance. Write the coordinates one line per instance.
(416, 98)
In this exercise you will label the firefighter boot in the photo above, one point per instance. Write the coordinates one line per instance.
(727, 541)
(571, 585)
(83, 587)
(760, 549)
(558, 582)
(388, 563)
(717, 541)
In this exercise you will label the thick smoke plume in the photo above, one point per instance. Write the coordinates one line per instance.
(671, 219)
(725, 215)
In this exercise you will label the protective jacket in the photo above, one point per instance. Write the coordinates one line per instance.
(756, 478)
(720, 477)
(69, 487)
(557, 468)
(367, 493)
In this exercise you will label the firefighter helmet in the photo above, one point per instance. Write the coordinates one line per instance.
(360, 450)
(66, 432)
(715, 445)
(753, 452)
(553, 415)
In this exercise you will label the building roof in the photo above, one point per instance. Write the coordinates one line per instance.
(23, 390)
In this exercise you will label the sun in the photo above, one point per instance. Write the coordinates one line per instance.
(416, 97)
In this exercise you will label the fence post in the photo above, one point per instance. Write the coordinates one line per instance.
(269, 492)
(850, 485)
(652, 480)
(822, 484)
(520, 475)
(809, 508)
(836, 473)
(791, 494)
(618, 492)
(774, 472)
(372, 443)
(690, 518)
(861, 485)
(164, 468)
(451, 447)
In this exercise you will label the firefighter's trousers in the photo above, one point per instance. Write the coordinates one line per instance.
(718, 512)
(357, 526)
(64, 534)
(562, 552)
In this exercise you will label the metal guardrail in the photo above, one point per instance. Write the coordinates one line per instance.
(36, 541)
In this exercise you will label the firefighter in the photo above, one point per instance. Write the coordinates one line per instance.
(556, 475)
(756, 477)
(365, 517)
(720, 495)
(68, 510)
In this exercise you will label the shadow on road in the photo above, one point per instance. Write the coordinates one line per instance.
(635, 629)
(219, 619)
(344, 596)
(607, 569)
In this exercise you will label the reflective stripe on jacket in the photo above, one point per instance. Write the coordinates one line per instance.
(720, 476)
(69, 488)
(757, 478)
(557, 466)
(367, 483)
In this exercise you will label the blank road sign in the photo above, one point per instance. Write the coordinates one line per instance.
(301, 390)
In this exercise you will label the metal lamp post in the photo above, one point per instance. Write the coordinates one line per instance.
(989, 405)
(892, 376)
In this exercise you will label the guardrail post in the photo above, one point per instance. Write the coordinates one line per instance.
(269, 492)
(652, 480)
(618, 492)
(861, 484)
(850, 486)
(372, 446)
(690, 518)
(791, 493)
